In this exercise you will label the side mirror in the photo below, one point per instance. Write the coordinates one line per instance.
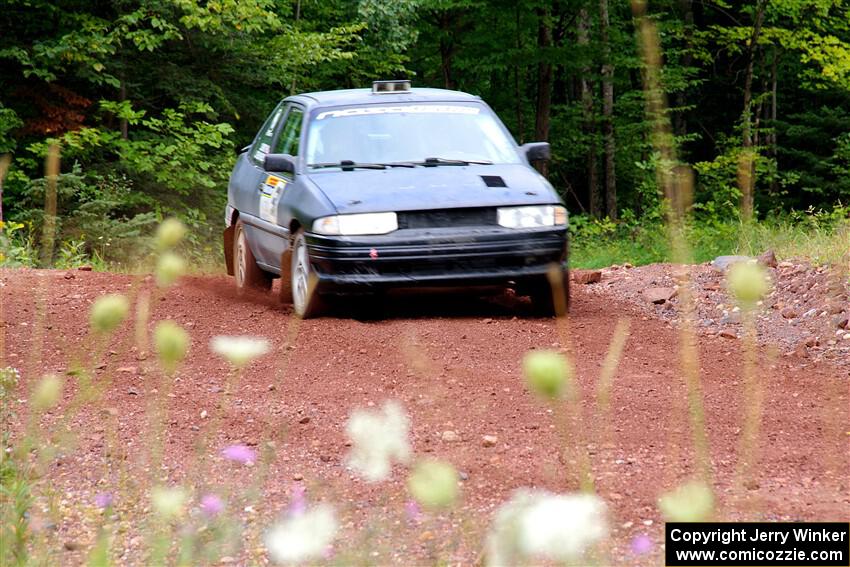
(537, 151)
(279, 163)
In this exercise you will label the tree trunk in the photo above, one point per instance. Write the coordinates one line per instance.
(446, 49)
(125, 132)
(517, 93)
(5, 160)
(680, 123)
(593, 196)
(608, 113)
(544, 85)
(745, 167)
(771, 139)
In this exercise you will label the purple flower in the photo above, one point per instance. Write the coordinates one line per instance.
(240, 453)
(211, 505)
(641, 544)
(103, 500)
(412, 511)
(298, 504)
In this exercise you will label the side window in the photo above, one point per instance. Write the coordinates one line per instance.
(264, 140)
(290, 134)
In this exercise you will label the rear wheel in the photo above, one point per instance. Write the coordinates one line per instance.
(306, 301)
(551, 298)
(249, 276)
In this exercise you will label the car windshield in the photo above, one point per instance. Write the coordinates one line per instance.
(454, 134)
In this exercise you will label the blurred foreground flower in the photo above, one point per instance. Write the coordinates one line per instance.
(748, 282)
(171, 341)
(240, 454)
(303, 537)
(433, 484)
(691, 502)
(168, 501)
(169, 233)
(547, 373)
(378, 437)
(47, 392)
(641, 544)
(103, 500)
(211, 505)
(538, 525)
(107, 312)
(169, 267)
(412, 511)
(239, 351)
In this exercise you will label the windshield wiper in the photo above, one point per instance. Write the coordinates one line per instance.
(435, 161)
(348, 165)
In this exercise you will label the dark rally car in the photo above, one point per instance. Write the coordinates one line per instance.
(360, 190)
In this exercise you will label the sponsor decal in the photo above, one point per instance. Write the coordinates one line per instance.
(401, 109)
(270, 193)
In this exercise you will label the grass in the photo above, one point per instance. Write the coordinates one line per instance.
(820, 237)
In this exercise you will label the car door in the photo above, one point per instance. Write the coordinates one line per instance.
(274, 189)
(249, 167)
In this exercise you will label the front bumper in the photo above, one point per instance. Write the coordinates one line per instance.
(436, 257)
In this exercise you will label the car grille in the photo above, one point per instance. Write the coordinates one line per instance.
(480, 216)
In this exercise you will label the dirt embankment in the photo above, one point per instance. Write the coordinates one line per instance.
(455, 365)
(805, 316)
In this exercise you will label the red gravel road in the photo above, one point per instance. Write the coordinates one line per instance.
(454, 363)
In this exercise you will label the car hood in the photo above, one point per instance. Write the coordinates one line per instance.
(443, 187)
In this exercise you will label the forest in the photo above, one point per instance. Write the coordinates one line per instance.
(147, 103)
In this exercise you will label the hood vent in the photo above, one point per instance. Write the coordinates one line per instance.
(493, 181)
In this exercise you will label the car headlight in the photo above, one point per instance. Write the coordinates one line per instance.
(532, 217)
(356, 225)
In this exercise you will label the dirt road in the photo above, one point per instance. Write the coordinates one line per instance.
(454, 363)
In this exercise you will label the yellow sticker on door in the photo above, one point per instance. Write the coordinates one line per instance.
(270, 193)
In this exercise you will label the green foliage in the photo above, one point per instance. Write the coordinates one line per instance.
(9, 122)
(818, 234)
(16, 246)
(15, 490)
(147, 102)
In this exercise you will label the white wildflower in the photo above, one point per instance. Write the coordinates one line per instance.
(378, 437)
(302, 537)
(239, 350)
(538, 525)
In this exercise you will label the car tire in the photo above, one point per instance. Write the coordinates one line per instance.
(542, 295)
(249, 276)
(306, 300)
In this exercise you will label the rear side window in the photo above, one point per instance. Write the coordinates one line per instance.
(290, 134)
(264, 140)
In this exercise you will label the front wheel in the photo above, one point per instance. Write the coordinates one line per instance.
(249, 276)
(306, 301)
